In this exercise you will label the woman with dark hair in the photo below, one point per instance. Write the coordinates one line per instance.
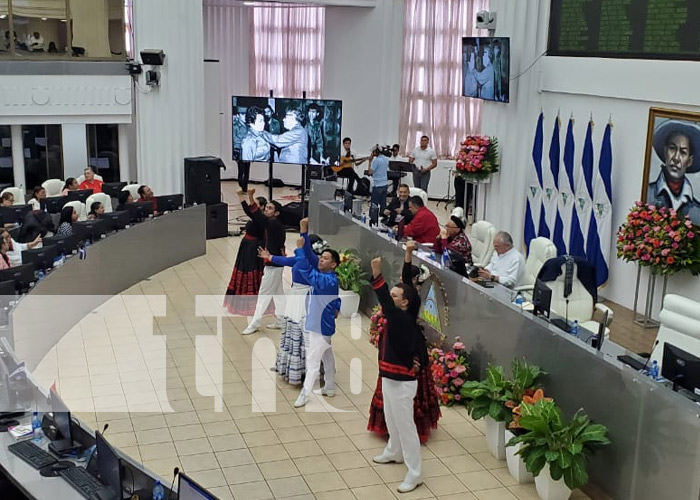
(242, 291)
(454, 239)
(70, 185)
(254, 147)
(68, 216)
(38, 195)
(124, 198)
(96, 209)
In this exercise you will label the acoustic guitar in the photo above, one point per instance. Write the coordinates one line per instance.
(347, 162)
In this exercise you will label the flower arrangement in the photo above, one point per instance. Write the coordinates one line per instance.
(449, 371)
(657, 237)
(477, 157)
(350, 274)
(531, 398)
(377, 325)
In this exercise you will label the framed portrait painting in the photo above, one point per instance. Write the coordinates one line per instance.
(672, 162)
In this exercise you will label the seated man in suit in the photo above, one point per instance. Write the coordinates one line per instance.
(398, 210)
(424, 227)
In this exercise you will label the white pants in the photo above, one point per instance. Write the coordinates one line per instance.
(403, 436)
(270, 287)
(319, 349)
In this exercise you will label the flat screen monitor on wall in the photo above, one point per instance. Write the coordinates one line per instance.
(486, 68)
(292, 131)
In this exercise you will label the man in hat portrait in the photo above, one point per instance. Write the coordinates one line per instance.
(676, 142)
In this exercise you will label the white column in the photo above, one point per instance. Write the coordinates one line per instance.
(75, 150)
(170, 118)
(18, 156)
(123, 139)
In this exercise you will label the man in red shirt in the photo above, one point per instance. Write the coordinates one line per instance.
(90, 182)
(146, 194)
(424, 227)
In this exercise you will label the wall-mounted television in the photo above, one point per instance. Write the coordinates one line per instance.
(293, 131)
(486, 68)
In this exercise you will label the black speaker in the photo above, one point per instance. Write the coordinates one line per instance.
(203, 180)
(292, 213)
(217, 221)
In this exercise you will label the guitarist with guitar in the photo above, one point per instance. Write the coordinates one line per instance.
(346, 165)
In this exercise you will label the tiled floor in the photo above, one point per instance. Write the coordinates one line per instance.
(123, 367)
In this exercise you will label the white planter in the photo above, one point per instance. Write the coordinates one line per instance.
(516, 465)
(495, 438)
(549, 489)
(349, 303)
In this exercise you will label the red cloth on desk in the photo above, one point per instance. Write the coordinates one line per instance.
(424, 226)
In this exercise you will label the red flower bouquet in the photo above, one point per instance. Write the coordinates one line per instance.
(377, 325)
(657, 237)
(477, 157)
(449, 371)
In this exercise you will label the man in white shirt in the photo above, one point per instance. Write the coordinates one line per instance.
(423, 160)
(507, 264)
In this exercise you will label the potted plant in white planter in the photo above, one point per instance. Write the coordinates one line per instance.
(555, 451)
(487, 399)
(351, 280)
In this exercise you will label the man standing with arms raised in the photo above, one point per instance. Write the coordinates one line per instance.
(423, 160)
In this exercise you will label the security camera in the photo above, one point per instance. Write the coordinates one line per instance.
(486, 20)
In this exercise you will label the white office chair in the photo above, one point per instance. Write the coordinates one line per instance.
(680, 327)
(102, 198)
(541, 250)
(481, 237)
(53, 187)
(133, 189)
(414, 191)
(80, 207)
(17, 193)
(82, 178)
(580, 303)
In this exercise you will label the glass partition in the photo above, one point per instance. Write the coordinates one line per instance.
(103, 150)
(6, 172)
(43, 154)
(40, 27)
(5, 32)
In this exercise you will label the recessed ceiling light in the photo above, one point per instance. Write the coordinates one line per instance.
(63, 21)
(250, 4)
(44, 19)
(3, 16)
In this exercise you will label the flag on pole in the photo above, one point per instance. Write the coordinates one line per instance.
(598, 245)
(582, 208)
(534, 185)
(566, 192)
(550, 179)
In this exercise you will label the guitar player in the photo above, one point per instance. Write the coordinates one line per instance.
(347, 165)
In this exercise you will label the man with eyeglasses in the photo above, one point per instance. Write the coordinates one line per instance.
(507, 264)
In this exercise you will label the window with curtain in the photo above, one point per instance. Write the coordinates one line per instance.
(431, 85)
(287, 48)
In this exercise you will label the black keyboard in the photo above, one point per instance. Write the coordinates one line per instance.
(80, 479)
(32, 454)
(629, 360)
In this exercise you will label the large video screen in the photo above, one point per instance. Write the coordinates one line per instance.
(486, 68)
(293, 131)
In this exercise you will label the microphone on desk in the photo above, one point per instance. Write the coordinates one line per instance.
(652, 352)
(104, 429)
(176, 471)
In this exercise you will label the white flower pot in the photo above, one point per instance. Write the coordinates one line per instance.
(548, 488)
(495, 438)
(516, 464)
(349, 303)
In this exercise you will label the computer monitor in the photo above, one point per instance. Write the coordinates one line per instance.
(347, 202)
(188, 489)
(598, 340)
(15, 213)
(54, 204)
(79, 195)
(373, 214)
(42, 257)
(61, 420)
(116, 221)
(109, 467)
(139, 210)
(65, 245)
(93, 230)
(681, 368)
(541, 299)
(169, 202)
(113, 189)
(23, 276)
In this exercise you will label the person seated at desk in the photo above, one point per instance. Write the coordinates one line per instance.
(453, 238)
(7, 200)
(90, 182)
(424, 227)
(146, 194)
(15, 249)
(96, 209)
(35, 42)
(398, 210)
(38, 194)
(36, 223)
(124, 198)
(70, 185)
(4, 258)
(69, 215)
(507, 264)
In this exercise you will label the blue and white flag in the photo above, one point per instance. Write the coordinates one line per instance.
(550, 179)
(599, 242)
(534, 186)
(566, 192)
(582, 209)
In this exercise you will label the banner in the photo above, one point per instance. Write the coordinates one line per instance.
(534, 209)
(600, 232)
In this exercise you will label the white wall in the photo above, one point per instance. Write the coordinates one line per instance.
(622, 90)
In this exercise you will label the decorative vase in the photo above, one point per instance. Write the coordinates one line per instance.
(516, 465)
(495, 438)
(548, 488)
(349, 303)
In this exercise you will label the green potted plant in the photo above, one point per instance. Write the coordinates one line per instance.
(351, 280)
(555, 451)
(487, 399)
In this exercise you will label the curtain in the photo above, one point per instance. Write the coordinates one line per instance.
(431, 85)
(50, 9)
(286, 50)
(91, 27)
